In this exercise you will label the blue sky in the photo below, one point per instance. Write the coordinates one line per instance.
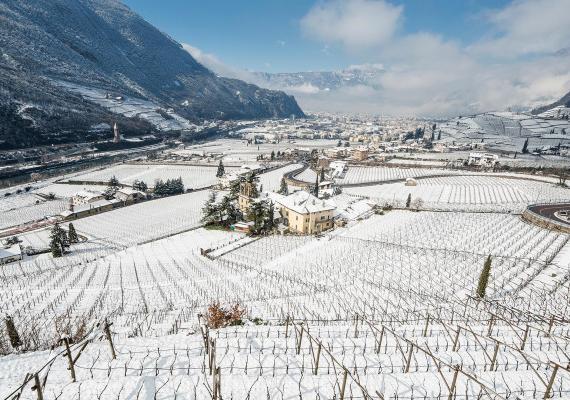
(421, 57)
(266, 35)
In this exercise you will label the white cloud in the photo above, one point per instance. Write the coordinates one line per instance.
(518, 64)
(427, 74)
(527, 27)
(355, 24)
(214, 64)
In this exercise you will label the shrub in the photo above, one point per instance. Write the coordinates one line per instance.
(221, 317)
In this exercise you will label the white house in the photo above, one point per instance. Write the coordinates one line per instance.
(86, 196)
(10, 254)
(128, 195)
(483, 159)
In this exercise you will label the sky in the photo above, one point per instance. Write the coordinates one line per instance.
(434, 57)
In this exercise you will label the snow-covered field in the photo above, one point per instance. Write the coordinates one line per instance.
(128, 226)
(194, 177)
(476, 193)
(383, 304)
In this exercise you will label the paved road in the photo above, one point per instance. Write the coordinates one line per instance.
(548, 211)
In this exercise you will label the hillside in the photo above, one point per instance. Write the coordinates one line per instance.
(563, 102)
(45, 45)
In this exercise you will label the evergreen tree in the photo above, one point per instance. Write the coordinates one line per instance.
(322, 174)
(72, 234)
(525, 147)
(113, 183)
(221, 170)
(439, 135)
(409, 200)
(140, 186)
(270, 223)
(317, 186)
(283, 189)
(272, 155)
(484, 278)
(257, 213)
(12, 332)
(234, 188)
(58, 241)
(209, 210)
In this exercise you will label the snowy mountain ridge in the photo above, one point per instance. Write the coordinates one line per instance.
(102, 44)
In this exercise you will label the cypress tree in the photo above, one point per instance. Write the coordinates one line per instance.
(484, 278)
(13, 334)
(72, 234)
(525, 147)
(57, 241)
(317, 186)
(322, 174)
(221, 170)
(284, 190)
(409, 200)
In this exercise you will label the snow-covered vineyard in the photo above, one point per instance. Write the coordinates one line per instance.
(382, 308)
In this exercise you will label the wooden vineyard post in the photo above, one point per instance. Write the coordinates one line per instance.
(71, 368)
(109, 338)
(453, 383)
(300, 340)
(525, 337)
(456, 341)
(356, 327)
(550, 324)
(409, 359)
(216, 384)
(550, 382)
(494, 359)
(426, 327)
(318, 358)
(380, 340)
(343, 385)
(38, 387)
(491, 323)
(212, 356)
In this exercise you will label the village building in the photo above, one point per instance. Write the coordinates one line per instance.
(86, 197)
(336, 152)
(129, 196)
(85, 210)
(483, 160)
(360, 153)
(10, 254)
(338, 169)
(304, 213)
(247, 194)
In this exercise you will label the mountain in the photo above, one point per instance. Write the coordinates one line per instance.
(563, 102)
(51, 51)
(313, 82)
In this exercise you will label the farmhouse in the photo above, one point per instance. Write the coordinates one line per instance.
(128, 195)
(304, 213)
(85, 210)
(10, 254)
(483, 159)
(86, 197)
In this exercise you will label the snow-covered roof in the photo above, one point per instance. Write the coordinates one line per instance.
(88, 194)
(10, 251)
(304, 203)
(129, 191)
